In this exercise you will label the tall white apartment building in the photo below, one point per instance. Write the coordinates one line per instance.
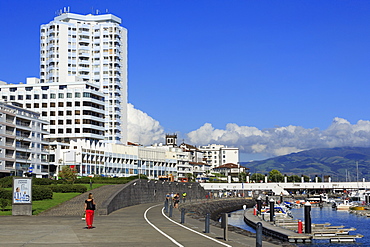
(22, 146)
(217, 155)
(93, 48)
(74, 110)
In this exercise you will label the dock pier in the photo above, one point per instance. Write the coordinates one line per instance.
(286, 230)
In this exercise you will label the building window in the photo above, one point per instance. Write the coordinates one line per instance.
(44, 114)
(77, 130)
(44, 96)
(77, 121)
(52, 96)
(44, 105)
(60, 122)
(77, 95)
(60, 104)
(52, 122)
(60, 131)
(28, 96)
(60, 113)
(36, 105)
(20, 97)
(69, 113)
(52, 113)
(69, 104)
(52, 104)
(28, 105)
(36, 96)
(69, 95)
(60, 95)
(77, 112)
(52, 131)
(12, 97)
(69, 130)
(77, 103)
(69, 121)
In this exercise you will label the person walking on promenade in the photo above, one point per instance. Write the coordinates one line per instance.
(176, 200)
(184, 197)
(89, 210)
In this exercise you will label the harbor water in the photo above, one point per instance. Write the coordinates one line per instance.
(319, 216)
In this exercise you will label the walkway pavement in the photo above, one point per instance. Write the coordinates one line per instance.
(139, 225)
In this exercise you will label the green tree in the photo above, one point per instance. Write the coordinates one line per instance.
(68, 174)
(190, 177)
(242, 176)
(257, 177)
(275, 176)
(306, 178)
(294, 179)
(4, 203)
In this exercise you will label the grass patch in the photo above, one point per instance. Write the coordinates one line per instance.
(40, 206)
(58, 198)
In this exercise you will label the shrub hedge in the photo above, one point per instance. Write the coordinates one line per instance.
(41, 193)
(68, 188)
(6, 194)
(6, 182)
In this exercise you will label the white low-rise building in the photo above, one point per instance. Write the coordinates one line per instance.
(217, 155)
(22, 146)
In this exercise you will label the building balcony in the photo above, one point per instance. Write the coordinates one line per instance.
(83, 40)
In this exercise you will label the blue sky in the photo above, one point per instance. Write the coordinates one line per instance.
(262, 64)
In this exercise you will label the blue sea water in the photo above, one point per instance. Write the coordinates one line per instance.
(322, 215)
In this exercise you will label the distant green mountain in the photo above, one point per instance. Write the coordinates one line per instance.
(336, 162)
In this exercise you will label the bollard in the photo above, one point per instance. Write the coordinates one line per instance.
(259, 235)
(206, 228)
(300, 226)
(182, 215)
(166, 206)
(307, 217)
(171, 208)
(255, 211)
(272, 210)
(224, 225)
(259, 205)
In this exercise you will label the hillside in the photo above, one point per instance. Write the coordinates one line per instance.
(335, 162)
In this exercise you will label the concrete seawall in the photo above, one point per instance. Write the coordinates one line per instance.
(147, 191)
(216, 207)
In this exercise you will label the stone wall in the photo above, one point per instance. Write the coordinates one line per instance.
(216, 207)
(147, 191)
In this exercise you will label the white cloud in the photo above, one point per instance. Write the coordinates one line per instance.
(142, 128)
(284, 140)
(145, 130)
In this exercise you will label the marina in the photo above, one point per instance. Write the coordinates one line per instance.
(330, 227)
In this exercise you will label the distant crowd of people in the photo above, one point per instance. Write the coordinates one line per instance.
(175, 198)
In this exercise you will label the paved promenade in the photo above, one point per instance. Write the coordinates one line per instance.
(140, 225)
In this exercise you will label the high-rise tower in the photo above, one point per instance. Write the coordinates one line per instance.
(94, 49)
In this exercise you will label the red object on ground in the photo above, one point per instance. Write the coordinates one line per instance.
(89, 218)
(254, 211)
(300, 226)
